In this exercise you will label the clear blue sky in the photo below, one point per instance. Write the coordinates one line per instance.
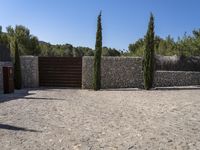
(124, 21)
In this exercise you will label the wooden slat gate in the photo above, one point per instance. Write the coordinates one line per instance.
(60, 71)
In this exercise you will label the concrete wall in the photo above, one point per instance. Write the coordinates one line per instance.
(3, 64)
(126, 72)
(116, 72)
(30, 71)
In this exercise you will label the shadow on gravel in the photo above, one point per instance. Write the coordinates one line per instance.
(155, 89)
(14, 96)
(57, 88)
(42, 98)
(14, 128)
(177, 88)
(121, 89)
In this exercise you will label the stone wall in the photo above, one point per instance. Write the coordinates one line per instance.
(176, 78)
(30, 73)
(126, 72)
(116, 72)
(3, 64)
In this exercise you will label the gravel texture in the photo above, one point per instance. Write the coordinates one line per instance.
(105, 120)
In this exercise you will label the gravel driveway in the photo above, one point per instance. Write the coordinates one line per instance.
(105, 120)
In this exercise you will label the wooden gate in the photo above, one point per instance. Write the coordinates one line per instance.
(60, 71)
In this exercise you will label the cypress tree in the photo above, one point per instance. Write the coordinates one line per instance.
(149, 55)
(17, 68)
(97, 57)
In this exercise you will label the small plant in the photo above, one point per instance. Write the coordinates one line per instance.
(148, 67)
(17, 68)
(97, 56)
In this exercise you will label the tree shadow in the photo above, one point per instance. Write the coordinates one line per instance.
(42, 98)
(121, 89)
(46, 88)
(15, 128)
(14, 96)
(179, 88)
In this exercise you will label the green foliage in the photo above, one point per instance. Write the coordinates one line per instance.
(166, 47)
(77, 52)
(66, 50)
(86, 51)
(137, 49)
(3, 38)
(17, 68)
(97, 56)
(28, 44)
(187, 46)
(110, 52)
(149, 55)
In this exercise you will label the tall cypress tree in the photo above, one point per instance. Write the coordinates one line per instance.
(17, 68)
(97, 57)
(149, 55)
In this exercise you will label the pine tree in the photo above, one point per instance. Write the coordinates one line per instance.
(149, 55)
(17, 68)
(97, 57)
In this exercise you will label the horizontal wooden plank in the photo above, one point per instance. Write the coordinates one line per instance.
(54, 57)
(77, 75)
(60, 61)
(60, 71)
(60, 78)
(60, 82)
(67, 74)
(60, 85)
(60, 64)
(55, 83)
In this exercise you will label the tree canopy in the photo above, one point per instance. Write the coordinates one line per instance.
(30, 45)
(188, 45)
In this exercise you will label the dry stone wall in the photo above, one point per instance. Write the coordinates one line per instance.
(126, 72)
(116, 72)
(30, 73)
(176, 78)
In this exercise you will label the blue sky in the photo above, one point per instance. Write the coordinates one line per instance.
(124, 21)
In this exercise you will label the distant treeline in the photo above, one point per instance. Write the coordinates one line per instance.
(30, 45)
(188, 45)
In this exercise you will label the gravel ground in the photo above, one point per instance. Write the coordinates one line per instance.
(105, 120)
